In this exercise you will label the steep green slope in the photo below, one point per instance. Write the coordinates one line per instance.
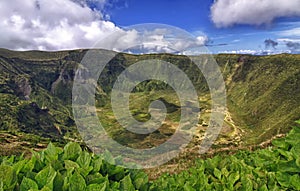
(264, 94)
(29, 102)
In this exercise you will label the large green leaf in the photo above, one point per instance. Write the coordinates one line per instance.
(71, 164)
(283, 179)
(58, 182)
(225, 172)
(8, 160)
(126, 184)
(18, 166)
(72, 151)
(39, 162)
(287, 154)
(267, 154)
(96, 187)
(217, 173)
(58, 165)
(29, 166)
(247, 183)
(115, 170)
(96, 178)
(28, 184)
(281, 143)
(140, 180)
(293, 136)
(84, 159)
(85, 171)
(77, 182)
(8, 177)
(263, 188)
(66, 184)
(295, 150)
(187, 187)
(271, 178)
(289, 166)
(295, 181)
(45, 177)
(51, 153)
(259, 173)
(115, 186)
(96, 164)
(233, 178)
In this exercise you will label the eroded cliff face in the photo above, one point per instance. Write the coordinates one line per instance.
(36, 92)
(24, 88)
(263, 92)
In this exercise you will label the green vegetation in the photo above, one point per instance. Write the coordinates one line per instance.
(273, 168)
(264, 94)
(71, 168)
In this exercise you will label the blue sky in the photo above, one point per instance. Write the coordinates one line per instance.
(187, 14)
(195, 16)
(230, 26)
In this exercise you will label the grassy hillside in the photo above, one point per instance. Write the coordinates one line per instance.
(264, 94)
(35, 96)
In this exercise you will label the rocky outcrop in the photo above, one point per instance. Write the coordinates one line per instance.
(24, 88)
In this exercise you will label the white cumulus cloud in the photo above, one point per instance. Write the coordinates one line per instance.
(50, 25)
(225, 13)
(72, 24)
